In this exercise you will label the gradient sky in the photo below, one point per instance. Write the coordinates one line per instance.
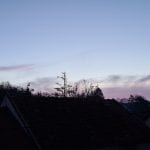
(85, 38)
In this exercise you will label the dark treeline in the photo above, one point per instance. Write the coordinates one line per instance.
(82, 122)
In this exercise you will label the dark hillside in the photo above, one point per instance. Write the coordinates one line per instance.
(80, 122)
(140, 109)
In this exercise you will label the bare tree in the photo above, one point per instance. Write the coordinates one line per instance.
(63, 88)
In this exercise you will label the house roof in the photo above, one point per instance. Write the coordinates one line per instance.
(12, 136)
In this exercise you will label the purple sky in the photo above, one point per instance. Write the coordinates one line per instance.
(107, 40)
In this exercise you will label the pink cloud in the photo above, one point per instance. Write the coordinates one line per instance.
(125, 92)
(127, 85)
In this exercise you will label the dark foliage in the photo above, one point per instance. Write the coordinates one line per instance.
(79, 123)
(139, 106)
(73, 123)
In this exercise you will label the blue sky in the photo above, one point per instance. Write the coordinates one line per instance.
(85, 38)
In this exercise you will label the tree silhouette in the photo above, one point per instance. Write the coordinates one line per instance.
(97, 93)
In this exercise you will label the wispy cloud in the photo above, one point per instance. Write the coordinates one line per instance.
(45, 84)
(144, 79)
(123, 86)
(112, 79)
(16, 67)
(118, 80)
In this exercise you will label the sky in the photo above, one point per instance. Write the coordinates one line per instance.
(99, 39)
